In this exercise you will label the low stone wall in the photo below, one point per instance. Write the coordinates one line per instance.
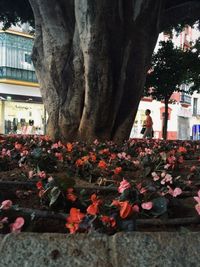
(95, 250)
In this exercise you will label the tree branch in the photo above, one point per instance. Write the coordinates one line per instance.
(183, 13)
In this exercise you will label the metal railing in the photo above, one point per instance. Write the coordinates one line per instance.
(185, 98)
(17, 74)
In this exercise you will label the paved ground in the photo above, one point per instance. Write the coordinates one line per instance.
(121, 250)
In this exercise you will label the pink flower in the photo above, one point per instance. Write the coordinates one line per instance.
(55, 145)
(148, 151)
(198, 198)
(147, 205)
(50, 179)
(17, 225)
(166, 167)
(123, 185)
(136, 162)
(42, 175)
(4, 220)
(121, 155)
(197, 207)
(30, 174)
(155, 176)
(96, 142)
(176, 192)
(6, 204)
(136, 208)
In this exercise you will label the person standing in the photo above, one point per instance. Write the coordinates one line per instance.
(148, 124)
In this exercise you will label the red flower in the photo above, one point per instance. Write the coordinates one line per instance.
(102, 164)
(74, 219)
(117, 170)
(70, 195)
(39, 185)
(59, 156)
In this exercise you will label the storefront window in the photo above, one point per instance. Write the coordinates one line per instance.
(24, 118)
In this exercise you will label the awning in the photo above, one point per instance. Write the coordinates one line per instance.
(11, 92)
(19, 90)
(21, 98)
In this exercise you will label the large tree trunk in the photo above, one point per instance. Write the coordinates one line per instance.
(91, 58)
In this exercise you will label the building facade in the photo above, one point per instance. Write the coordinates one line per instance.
(184, 109)
(21, 107)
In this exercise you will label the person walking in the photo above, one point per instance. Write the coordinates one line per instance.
(148, 125)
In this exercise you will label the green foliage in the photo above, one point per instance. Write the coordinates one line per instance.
(171, 67)
(159, 206)
(13, 12)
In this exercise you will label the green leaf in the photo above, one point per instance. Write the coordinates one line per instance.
(54, 195)
(64, 181)
(147, 171)
(159, 206)
(37, 152)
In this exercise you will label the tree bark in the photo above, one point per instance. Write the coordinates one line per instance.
(91, 58)
(165, 119)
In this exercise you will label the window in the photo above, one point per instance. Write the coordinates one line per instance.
(27, 58)
(195, 102)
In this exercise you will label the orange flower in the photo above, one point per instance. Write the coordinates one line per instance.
(113, 156)
(104, 151)
(70, 195)
(102, 164)
(18, 146)
(117, 170)
(79, 163)
(93, 209)
(182, 149)
(85, 159)
(74, 219)
(93, 157)
(108, 220)
(126, 209)
(69, 147)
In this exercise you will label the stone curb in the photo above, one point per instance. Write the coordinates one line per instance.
(155, 249)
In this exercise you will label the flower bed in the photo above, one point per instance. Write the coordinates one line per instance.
(75, 187)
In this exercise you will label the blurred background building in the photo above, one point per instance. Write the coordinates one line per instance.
(184, 109)
(21, 108)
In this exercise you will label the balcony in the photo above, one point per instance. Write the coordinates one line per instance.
(17, 74)
(185, 99)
